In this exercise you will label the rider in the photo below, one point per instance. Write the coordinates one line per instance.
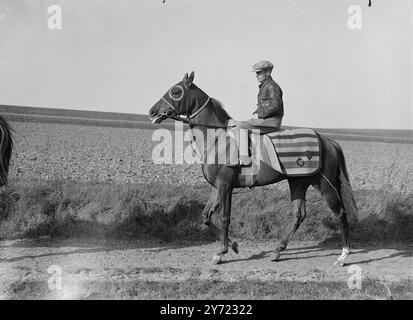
(268, 116)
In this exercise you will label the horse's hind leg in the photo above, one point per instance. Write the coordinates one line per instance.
(335, 204)
(300, 214)
(298, 189)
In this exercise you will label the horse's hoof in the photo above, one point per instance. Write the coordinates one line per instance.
(234, 247)
(339, 263)
(279, 248)
(275, 256)
(216, 259)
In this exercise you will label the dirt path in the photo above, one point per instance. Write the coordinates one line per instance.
(77, 260)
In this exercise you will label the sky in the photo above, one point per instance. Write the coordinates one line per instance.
(123, 55)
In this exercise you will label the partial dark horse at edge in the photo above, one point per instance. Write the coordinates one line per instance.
(188, 103)
(6, 147)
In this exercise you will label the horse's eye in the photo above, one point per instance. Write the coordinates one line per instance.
(176, 93)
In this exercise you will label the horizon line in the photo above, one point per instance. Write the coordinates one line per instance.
(143, 115)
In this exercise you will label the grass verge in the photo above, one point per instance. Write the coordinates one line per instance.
(166, 212)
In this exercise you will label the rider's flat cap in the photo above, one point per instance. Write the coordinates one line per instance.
(262, 65)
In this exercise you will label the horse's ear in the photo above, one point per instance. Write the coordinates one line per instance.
(188, 81)
(191, 77)
(185, 77)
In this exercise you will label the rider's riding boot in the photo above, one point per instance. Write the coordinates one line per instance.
(244, 159)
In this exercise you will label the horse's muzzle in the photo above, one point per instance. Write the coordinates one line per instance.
(158, 118)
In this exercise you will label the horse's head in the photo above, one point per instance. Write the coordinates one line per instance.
(181, 99)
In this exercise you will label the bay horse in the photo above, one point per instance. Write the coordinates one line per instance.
(6, 146)
(188, 103)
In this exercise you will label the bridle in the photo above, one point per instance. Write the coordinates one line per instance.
(186, 117)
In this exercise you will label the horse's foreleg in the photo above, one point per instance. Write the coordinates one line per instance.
(225, 199)
(209, 209)
(300, 214)
(210, 206)
(218, 232)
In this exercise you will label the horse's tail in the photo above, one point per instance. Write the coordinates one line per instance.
(344, 187)
(6, 146)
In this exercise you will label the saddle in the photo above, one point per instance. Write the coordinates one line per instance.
(291, 152)
(297, 150)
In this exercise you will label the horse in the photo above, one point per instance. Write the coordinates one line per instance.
(188, 103)
(6, 147)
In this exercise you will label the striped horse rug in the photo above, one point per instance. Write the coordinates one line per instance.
(298, 151)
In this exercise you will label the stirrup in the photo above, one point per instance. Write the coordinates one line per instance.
(245, 161)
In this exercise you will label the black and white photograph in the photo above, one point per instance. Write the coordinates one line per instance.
(206, 154)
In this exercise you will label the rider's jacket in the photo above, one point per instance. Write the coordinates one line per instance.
(270, 102)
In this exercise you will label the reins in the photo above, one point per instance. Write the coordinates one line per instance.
(187, 118)
(200, 109)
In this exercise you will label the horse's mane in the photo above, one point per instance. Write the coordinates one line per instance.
(219, 106)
